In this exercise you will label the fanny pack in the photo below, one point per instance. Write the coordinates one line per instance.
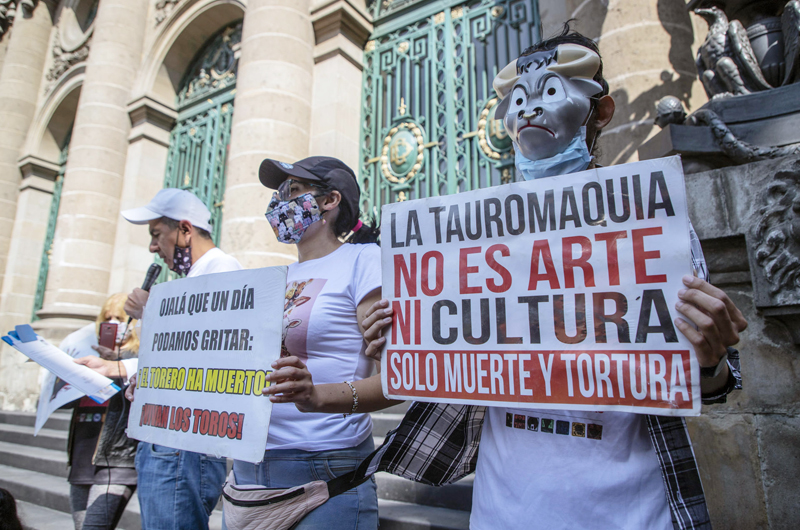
(249, 507)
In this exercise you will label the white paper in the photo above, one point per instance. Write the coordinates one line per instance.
(86, 380)
(56, 392)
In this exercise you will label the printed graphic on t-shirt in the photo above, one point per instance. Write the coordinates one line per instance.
(300, 298)
(589, 429)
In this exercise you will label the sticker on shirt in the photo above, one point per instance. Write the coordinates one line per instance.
(300, 298)
(591, 431)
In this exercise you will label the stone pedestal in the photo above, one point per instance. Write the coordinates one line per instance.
(753, 119)
(747, 448)
(272, 119)
(84, 240)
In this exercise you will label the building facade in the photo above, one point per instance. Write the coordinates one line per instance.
(104, 102)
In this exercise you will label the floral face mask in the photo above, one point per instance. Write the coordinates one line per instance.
(289, 219)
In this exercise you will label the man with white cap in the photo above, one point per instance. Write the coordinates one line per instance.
(177, 489)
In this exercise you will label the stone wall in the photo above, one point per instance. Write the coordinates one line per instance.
(747, 448)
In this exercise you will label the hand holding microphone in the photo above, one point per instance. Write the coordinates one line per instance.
(134, 306)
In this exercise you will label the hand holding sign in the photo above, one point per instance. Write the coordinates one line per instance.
(291, 382)
(718, 323)
(377, 318)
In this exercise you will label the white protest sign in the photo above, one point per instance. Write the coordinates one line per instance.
(207, 344)
(557, 293)
(56, 392)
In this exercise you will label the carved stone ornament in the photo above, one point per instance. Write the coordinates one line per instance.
(64, 60)
(759, 53)
(774, 248)
(164, 9)
(776, 238)
(216, 68)
(8, 11)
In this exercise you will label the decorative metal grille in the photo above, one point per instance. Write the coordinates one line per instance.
(428, 123)
(47, 250)
(198, 147)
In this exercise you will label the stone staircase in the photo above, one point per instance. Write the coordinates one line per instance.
(34, 470)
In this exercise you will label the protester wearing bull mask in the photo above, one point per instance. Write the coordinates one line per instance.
(642, 473)
(328, 292)
(102, 477)
(177, 489)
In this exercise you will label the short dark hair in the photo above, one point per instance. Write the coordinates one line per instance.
(570, 36)
(173, 225)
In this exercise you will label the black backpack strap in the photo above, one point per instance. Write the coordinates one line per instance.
(350, 480)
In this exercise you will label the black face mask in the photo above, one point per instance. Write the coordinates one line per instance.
(182, 259)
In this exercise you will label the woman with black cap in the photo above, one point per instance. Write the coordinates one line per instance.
(329, 289)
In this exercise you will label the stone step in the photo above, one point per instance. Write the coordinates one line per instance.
(35, 517)
(49, 461)
(43, 490)
(383, 423)
(23, 435)
(396, 515)
(58, 420)
(400, 408)
(36, 488)
(456, 496)
(34, 491)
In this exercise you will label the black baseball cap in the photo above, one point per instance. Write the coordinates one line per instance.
(325, 169)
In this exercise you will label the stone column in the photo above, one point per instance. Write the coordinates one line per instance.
(341, 29)
(144, 177)
(20, 79)
(271, 119)
(84, 240)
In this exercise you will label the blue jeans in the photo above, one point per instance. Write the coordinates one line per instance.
(177, 489)
(356, 509)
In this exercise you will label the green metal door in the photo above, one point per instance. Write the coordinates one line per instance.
(198, 147)
(47, 250)
(428, 124)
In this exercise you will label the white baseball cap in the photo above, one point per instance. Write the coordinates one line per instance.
(179, 205)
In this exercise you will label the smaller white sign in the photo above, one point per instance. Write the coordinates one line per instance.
(207, 345)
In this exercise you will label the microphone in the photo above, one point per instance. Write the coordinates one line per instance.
(150, 277)
(149, 280)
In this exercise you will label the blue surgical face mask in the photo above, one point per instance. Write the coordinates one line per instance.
(574, 158)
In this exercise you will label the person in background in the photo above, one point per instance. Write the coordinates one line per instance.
(177, 489)
(8, 512)
(102, 477)
(328, 290)
(642, 472)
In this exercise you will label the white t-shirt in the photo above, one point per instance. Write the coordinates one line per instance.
(567, 469)
(212, 261)
(321, 328)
